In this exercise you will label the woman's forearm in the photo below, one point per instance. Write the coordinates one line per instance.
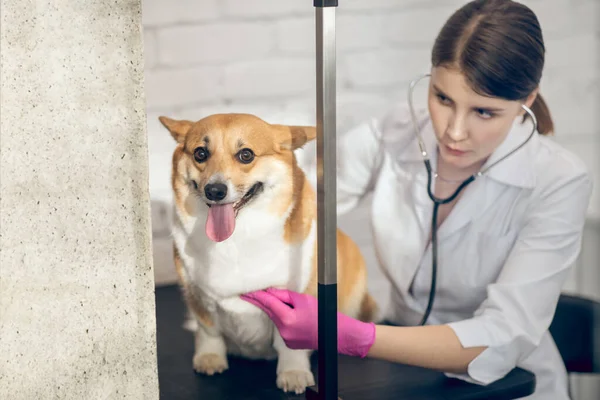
(435, 347)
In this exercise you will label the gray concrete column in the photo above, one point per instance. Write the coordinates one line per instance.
(76, 281)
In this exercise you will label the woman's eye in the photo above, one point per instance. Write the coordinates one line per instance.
(484, 113)
(200, 154)
(245, 156)
(443, 99)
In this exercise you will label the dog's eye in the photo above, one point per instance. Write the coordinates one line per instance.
(245, 155)
(201, 154)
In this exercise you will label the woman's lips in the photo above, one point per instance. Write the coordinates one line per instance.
(454, 152)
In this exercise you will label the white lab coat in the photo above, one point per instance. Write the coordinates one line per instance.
(504, 251)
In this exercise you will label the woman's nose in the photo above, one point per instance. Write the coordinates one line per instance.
(457, 128)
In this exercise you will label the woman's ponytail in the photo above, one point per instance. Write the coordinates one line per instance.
(498, 46)
(542, 114)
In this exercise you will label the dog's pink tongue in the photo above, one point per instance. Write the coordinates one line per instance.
(220, 222)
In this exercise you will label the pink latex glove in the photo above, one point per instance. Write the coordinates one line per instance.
(295, 315)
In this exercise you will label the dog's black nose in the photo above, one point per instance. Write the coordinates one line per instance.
(215, 191)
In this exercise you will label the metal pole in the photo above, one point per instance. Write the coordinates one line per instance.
(326, 201)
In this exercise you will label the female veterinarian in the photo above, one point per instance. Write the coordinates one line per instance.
(505, 243)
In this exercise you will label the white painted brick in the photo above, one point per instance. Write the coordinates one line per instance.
(162, 258)
(305, 105)
(369, 5)
(385, 67)
(262, 110)
(573, 51)
(400, 5)
(296, 36)
(189, 45)
(150, 53)
(558, 18)
(358, 31)
(415, 26)
(179, 87)
(354, 108)
(353, 32)
(573, 95)
(292, 116)
(270, 77)
(160, 151)
(168, 12)
(561, 18)
(398, 93)
(265, 8)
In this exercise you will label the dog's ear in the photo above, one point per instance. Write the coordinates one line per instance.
(178, 128)
(295, 136)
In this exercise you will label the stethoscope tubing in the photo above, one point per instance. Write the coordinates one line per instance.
(439, 201)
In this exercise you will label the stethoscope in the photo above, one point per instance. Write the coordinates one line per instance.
(437, 201)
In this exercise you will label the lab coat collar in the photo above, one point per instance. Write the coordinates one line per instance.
(516, 170)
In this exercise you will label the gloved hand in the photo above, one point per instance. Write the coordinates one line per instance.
(295, 315)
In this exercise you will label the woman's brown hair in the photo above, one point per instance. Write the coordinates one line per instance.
(498, 46)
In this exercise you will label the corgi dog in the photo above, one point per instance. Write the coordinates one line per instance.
(244, 220)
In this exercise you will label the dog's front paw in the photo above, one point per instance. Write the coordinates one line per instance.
(295, 381)
(210, 363)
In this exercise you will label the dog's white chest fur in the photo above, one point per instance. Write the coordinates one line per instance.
(255, 257)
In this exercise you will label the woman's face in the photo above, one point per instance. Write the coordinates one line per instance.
(468, 126)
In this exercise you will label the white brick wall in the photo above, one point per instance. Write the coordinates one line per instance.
(160, 13)
(258, 56)
(207, 56)
(253, 9)
(214, 55)
(214, 43)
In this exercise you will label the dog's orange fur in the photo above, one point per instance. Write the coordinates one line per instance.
(226, 134)
(269, 140)
(193, 302)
